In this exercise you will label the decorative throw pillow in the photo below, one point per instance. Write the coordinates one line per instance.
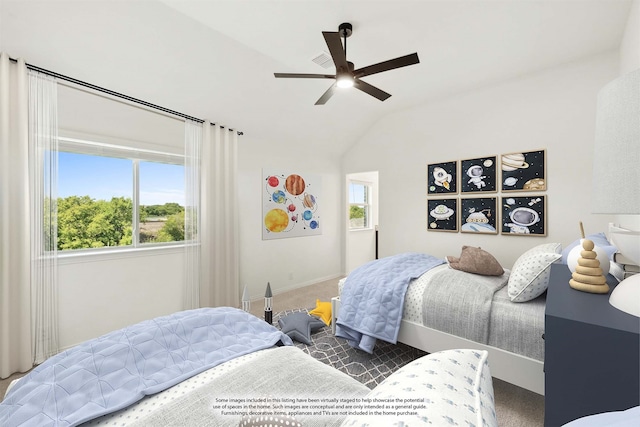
(599, 239)
(530, 274)
(323, 311)
(476, 261)
(299, 326)
(268, 421)
(454, 386)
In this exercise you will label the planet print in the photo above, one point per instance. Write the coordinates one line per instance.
(308, 200)
(535, 184)
(273, 181)
(276, 220)
(307, 215)
(478, 227)
(278, 196)
(294, 184)
(511, 162)
(510, 182)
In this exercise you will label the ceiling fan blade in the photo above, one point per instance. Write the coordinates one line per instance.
(325, 96)
(304, 76)
(391, 64)
(335, 48)
(371, 90)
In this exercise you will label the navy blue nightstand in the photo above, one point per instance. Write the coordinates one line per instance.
(592, 353)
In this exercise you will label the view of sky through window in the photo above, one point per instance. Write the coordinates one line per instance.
(102, 178)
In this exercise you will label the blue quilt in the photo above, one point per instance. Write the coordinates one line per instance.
(113, 371)
(373, 296)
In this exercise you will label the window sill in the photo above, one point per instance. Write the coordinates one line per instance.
(80, 256)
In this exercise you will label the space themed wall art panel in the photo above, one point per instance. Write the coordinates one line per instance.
(523, 171)
(290, 205)
(478, 215)
(442, 215)
(478, 175)
(442, 178)
(524, 216)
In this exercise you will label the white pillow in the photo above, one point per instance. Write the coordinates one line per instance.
(451, 387)
(530, 274)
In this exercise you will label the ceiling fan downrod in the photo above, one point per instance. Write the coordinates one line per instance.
(345, 30)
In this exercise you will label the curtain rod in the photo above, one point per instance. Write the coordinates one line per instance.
(116, 94)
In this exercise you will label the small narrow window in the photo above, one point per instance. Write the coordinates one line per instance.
(359, 208)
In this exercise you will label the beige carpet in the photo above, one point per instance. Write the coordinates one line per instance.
(515, 407)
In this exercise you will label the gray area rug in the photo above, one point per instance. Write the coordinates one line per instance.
(369, 369)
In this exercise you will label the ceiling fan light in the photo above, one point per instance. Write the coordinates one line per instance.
(344, 81)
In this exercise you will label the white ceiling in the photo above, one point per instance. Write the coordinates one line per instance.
(215, 59)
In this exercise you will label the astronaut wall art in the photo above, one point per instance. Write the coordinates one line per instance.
(524, 216)
(478, 175)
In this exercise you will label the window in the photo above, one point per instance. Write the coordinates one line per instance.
(110, 196)
(359, 208)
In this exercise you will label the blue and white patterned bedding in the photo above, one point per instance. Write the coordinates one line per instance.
(373, 297)
(113, 371)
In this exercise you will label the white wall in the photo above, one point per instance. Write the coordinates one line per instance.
(630, 61)
(552, 110)
(290, 262)
(630, 45)
(99, 295)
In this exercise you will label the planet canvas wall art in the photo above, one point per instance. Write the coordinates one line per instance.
(290, 205)
(523, 171)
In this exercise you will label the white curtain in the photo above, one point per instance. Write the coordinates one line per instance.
(192, 223)
(219, 272)
(15, 295)
(43, 168)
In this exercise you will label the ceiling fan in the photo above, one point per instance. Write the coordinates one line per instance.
(346, 75)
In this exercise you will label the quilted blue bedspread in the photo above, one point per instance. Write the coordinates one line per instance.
(373, 295)
(113, 371)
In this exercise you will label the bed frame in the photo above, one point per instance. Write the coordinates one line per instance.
(513, 368)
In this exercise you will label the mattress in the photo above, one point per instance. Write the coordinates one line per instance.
(518, 327)
(260, 376)
(515, 327)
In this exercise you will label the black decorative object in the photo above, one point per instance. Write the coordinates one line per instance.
(268, 312)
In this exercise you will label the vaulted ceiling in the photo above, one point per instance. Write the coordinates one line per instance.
(215, 59)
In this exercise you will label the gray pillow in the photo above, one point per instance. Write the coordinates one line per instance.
(299, 326)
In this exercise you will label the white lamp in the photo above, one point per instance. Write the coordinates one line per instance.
(616, 173)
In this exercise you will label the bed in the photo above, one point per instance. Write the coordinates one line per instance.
(224, 367)
(444, 306)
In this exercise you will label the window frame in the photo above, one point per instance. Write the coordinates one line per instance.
(86, 146)
(366, 204)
